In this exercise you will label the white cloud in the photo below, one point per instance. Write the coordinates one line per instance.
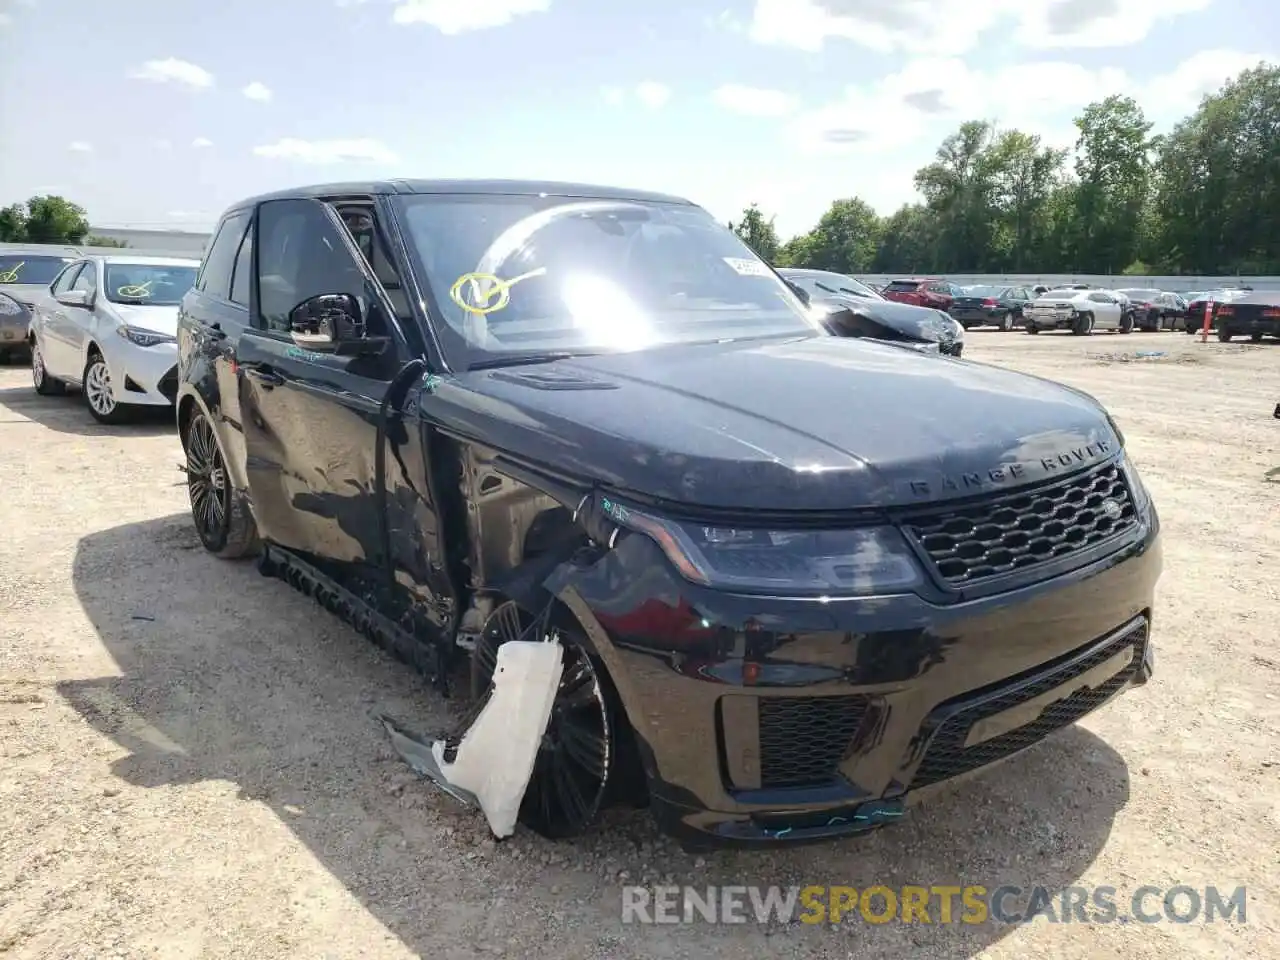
(652, 94)
(327, 151)
(162, 144)
(5, 19)
(257, 91)
(458, 16)
(955, 26)
(201, 142)
(176, 71)
(79, 146)
(649, 94)
(754, 101)
(928, 98)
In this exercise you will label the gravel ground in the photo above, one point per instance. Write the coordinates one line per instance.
(190, 769)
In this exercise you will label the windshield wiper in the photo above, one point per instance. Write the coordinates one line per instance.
(526, 360)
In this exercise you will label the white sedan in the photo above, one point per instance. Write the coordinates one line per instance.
(109, 325)
(1080, 311)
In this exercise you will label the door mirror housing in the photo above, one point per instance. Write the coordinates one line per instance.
(75, 298)
(332, 323)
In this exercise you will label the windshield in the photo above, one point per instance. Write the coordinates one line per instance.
(19, 268)
(985, 291)
(903, 286)
(521, 276)
(820, 285)
(148, 284)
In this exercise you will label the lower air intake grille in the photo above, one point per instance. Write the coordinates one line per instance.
(947, 756)
(168, 385)
(803, 739)
(1018, 531)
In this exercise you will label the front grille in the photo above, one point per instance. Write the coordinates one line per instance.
(803, 739)
(947, 756)
(1018, 531)
(168, 385)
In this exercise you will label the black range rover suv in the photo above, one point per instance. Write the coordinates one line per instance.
(797, 578)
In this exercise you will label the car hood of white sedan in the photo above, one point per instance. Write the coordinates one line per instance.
(158, 319)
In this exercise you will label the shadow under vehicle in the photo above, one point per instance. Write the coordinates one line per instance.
(463, 413)
(848, 308)
(206, 690)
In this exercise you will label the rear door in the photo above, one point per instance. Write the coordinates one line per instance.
(311, 419)
(52, 324)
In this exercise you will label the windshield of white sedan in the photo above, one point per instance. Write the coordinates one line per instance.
(148, 284)
(521, 276)
(17, 268)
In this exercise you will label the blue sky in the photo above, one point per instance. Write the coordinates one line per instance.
(161, 112)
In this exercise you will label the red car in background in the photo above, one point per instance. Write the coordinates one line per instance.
(924, 292)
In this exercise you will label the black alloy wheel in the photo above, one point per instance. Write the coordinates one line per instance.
(572, 770)
(207, 485)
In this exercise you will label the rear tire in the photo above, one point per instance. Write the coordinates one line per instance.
(1255, 338)
(1224, 336)
(1126, 323)
(1032, 328)
(1006, 322)
(1083, 325)
(44, 384)
(221, 514)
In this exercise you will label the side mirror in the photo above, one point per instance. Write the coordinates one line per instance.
(323, 323)
(800, 292)
(75, 298)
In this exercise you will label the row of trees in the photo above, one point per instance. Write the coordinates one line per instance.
(49, 219)
(1202, 199)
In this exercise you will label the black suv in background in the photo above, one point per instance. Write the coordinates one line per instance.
(797, 578)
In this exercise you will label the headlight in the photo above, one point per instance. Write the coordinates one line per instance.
(862, 561)
(144, 338)
(1137, 489)
(9, 307)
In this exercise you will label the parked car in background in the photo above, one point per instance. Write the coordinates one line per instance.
(109, 326)
(25, 275)
(540, 414)
(15, 321)
(997, 306)
(933, 293)
(844, 311)
(1146, 315)
(1254, 314)
(820, 284)
(1080, 311)
(1193, 319)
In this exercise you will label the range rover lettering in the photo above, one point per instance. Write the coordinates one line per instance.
(796, 579)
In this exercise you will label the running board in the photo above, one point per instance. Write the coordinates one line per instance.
(422, 656)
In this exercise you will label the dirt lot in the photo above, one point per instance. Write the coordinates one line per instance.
(189, 766)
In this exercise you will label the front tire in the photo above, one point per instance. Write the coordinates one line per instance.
(1083, 325)
(221, 514)
(44, 384)
(99, 394)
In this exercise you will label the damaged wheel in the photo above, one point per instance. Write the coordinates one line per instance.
(578, 751)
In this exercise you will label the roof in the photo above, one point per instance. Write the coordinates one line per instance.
(529, 188)
(124, 256)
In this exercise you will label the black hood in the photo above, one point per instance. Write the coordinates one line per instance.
(886, 319)
(819, 423)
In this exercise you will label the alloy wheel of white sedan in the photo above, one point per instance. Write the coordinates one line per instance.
(45, 385)
(99, 393)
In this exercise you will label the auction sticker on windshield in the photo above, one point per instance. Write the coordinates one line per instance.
(747, 268)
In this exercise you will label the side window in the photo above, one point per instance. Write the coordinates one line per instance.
(301, 255)
(215, 274)
(242, 272)
(63, 281)
(87, 280)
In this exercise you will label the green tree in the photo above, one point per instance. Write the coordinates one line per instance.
(1023, 176)
(95, 241)
(845, 239)
(907, 242)
(758, 233)
(1113, 167)
(958, 188)
(46, 219)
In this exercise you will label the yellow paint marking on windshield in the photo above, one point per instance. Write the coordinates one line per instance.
(11, 275)
(482, 302)
(134, 291)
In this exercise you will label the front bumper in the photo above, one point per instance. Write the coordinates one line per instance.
(764, 721)
(145, 376)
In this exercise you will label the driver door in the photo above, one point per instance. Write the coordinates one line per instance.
(310, 418)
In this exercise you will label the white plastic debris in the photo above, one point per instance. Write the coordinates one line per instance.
(495, 757)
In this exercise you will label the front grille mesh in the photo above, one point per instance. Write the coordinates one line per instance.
(803, 739)
(168, 385)
(1023, 530)
(947, 756)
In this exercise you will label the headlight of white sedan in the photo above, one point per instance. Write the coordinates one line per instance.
(144, 338)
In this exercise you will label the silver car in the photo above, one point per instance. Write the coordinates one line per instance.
(109, 326)
(25, 276)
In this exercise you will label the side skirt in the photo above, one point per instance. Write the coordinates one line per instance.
(422, 656)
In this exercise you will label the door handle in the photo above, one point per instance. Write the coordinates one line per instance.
(265, 375)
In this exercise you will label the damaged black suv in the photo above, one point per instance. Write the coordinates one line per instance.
(792, 579)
